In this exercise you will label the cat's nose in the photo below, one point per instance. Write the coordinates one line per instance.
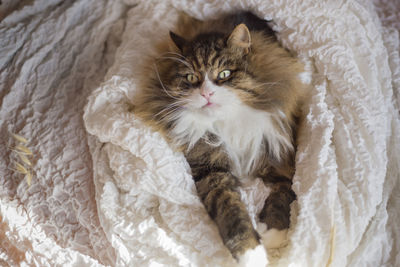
(206, 94)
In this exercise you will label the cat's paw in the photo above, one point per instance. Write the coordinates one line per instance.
(274, 238)
(256, 257)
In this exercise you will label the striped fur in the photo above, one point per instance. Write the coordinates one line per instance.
(227, 94)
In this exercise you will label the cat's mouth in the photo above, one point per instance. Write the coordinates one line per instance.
(209, 105)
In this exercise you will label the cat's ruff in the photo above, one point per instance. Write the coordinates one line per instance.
(241, 130)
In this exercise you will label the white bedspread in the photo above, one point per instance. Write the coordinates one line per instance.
(128, 200)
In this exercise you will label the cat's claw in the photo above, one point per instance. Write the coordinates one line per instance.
(256, 257)
(274, 238)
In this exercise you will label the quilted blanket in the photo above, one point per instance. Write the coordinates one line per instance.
(84, 183)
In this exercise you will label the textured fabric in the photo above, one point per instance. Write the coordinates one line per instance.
(52, 55)
(128, 199)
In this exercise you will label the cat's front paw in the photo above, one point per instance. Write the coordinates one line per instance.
(274, 238)
(256, 257)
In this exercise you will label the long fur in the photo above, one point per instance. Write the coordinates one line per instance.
(227, 94)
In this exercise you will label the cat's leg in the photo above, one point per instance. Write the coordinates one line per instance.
(276, 210)
(218, 191)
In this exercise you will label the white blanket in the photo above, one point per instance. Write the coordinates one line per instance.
(347, 165)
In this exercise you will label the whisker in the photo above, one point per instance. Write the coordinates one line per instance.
(171, 114)
(162, 85)
(178, 60)
(182, 93)
(171, 110)
(171, 106)
(175, 54)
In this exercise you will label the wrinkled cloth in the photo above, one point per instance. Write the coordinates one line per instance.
(53, 53)
(121, 197)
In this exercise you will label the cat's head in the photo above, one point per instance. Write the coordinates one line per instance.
(209, 75)
(214, 76)
(204, 79)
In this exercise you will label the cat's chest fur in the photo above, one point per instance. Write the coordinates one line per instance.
(242, 132)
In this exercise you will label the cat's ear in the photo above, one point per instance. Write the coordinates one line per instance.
(240, 38)
(178, 41)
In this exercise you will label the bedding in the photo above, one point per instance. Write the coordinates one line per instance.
(107, 191)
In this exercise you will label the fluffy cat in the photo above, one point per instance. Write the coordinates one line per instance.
(227, 95)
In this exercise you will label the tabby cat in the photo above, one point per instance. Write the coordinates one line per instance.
(227, 94)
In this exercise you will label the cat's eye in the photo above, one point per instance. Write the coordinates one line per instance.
(224, 74)
(192, 78)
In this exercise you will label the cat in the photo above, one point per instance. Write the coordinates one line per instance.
(226, 94)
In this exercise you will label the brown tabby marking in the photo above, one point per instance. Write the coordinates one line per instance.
(218, 192)
(264, 76)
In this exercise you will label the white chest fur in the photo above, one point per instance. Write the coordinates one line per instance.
(242, 131)
(243, 136)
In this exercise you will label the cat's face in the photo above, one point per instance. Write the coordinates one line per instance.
(210, 75)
